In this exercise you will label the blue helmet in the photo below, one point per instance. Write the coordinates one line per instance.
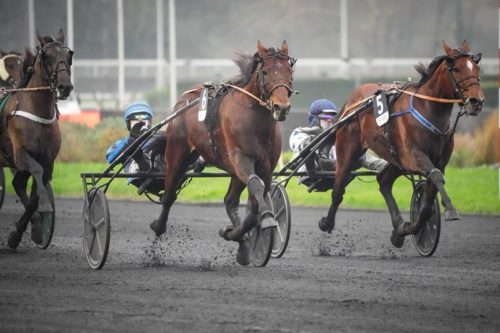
(320, 106)
(138, 108)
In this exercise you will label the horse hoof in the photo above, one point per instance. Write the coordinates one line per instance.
(36, 232)
(397, 240)
(224, 231)
(324, 226)
(451, 215)
(243, 256)
(14, 239)
(159, 230)
(268, 222)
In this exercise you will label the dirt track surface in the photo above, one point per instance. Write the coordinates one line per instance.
(351, 280)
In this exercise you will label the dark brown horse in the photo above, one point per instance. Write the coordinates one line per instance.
(29, 135)
(245, 140)
(418, 138)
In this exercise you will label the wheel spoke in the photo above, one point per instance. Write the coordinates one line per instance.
(280, 234)
(89, 248)
(99, 224)
(278, 214)
(99, 245)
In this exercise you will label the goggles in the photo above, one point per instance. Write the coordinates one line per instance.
(146, 122)
(143, 117)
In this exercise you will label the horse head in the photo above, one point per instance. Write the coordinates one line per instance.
(275, 76)
(55, 58)
(463, 67)
(10, 68)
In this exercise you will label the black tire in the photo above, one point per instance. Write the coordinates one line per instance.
(2, 187)
(427, 239)
(96, 229)
(48, 224)
(282, 214)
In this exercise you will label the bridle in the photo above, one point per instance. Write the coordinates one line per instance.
(52, 75)
(459, 86)
(265, 94)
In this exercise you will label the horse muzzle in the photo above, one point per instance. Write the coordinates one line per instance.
(473, 106)
(280, 111)
(63, 91)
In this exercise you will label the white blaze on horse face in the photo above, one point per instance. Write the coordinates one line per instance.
(470, 65)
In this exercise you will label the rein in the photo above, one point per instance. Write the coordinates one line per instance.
(261, 102)
(4, 91)
(431, 98)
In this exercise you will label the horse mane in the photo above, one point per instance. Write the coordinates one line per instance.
(247, 64)
(28, 63)
(428, 71)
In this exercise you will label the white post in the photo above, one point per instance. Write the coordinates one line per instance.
(121, 53)
(31, 24)
(344, 48)
(70, 40)
(172, 53)
(160, 70)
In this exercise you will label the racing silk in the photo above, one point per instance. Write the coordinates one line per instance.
(116, 148)
(302, 136)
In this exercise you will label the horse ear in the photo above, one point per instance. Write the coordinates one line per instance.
(448, 50)
(466, 46)
(60, 36)
(261, 49)
(29, 56)
(284, 47)
(40, 38)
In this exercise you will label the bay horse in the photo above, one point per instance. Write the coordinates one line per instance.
(30, 137)
(418, 137)
(245, 140)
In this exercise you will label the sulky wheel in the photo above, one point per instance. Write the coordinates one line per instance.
(282, 214)
(48, 221)
(427, 238)
(96, 228)
(2, 187)
(261, 244)
(261, 241)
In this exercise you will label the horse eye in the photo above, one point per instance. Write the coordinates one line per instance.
(264, 72)
(455, 70)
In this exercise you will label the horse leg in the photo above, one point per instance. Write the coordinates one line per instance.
(16, 235)
(177, 165)
(20, 184)
(386, 179)
(24, 162)
(257, 190)
(232, 201)
(437, 178)
(425, 211)
(349, 153)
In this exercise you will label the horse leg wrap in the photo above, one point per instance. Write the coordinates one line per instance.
(436, 176)
(256, 188)
(450, 212)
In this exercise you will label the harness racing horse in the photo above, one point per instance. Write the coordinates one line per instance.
(29, 136)
(245, 141)
(417, 138)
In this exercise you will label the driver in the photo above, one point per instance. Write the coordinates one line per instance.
(321, 115)
(138, 118)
